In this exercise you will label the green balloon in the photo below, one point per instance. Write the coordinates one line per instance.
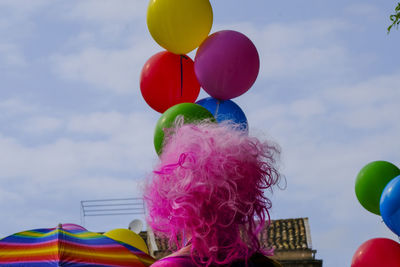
(191, 113)
(371, 181)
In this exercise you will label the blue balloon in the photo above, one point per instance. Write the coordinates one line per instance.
(390, 205)
(225, 110)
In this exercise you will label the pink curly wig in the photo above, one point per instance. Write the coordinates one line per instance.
(210, 185)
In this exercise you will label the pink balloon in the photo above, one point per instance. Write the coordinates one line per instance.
(382, 252)
(226, 64)
(72, 226)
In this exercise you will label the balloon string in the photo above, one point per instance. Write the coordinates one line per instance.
(181, 76)
(216, 110)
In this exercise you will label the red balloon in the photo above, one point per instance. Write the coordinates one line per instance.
(168, 79)
(382, 252)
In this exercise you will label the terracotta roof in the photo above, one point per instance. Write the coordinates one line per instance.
(163, 246)
(282, 235)
(286, 234)
(143, 235)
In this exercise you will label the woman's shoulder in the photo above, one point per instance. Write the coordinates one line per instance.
(256, 260)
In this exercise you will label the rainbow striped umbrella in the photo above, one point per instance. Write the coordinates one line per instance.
(68, 247)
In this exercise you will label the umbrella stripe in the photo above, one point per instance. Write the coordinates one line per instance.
(79, 234)
(32, 237)
(70, 256)
(68, 248)
(111, 249)
(101, 258)
(106, 248)
(15, 245)
(113, 254)
(113, 263)
(32, 250)
(105, 262)
(109, 246)
(64, 246)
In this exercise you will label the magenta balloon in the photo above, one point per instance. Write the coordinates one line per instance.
(226, 64)
(72, 226)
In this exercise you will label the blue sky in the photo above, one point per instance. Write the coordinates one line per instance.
(74, 126)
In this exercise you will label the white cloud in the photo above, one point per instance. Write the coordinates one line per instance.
(23, 7)
(41, 125)
(116, 71)
(318, 132)
(123, 150)
(364, 11)
(109, 48)
(11, 56)
(99, 122)
(112, 21)
(306, 108)
(305, 51)
(15, 106)
(17, 18)
(336, 132)
(103, 11)
(100, 155)
(373, 104)
(372, 91)
(328, 124)
(13, 197)
(40, 205)
(109, 70)
(371, 117)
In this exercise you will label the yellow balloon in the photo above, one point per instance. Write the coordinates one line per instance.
(128, 237)
(179, 25)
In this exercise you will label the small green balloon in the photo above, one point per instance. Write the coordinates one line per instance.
(371, 181)
(191, 113)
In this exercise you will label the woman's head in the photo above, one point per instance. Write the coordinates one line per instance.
(210, 184)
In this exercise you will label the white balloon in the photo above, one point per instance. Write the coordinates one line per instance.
(136, 226)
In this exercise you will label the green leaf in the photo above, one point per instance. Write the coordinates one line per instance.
(395, 18)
